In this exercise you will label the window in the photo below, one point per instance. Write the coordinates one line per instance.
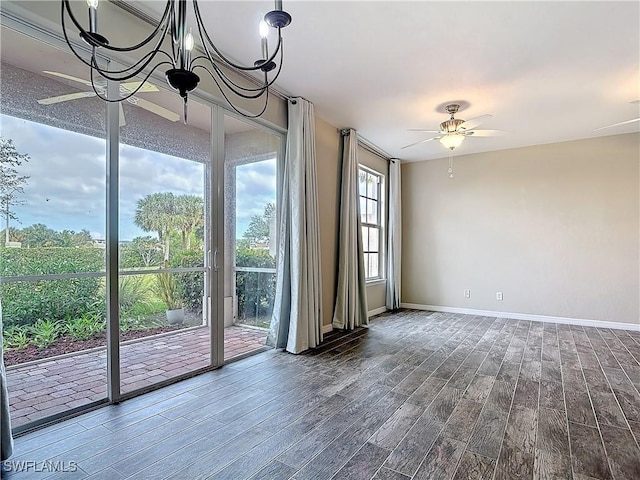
(370, 191)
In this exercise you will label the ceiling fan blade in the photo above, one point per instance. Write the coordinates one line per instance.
(422, 130)
(618, 124)
(474, 122)
(157, 109)
(485, 133)
(421, 141)
(122, 121)
(131, 87)
(65, 98)
(68, 77)
(635, 101)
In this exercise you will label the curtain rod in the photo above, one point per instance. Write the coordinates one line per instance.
(367, 145)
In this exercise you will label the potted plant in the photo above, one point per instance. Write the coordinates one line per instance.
(169, 292)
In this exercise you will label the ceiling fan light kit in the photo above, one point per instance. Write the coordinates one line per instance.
(452, 140)
(181, 75)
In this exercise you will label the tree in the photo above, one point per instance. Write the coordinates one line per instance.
(190, 215)
(71, 238)
(39, 235)
(157, 212)
(260, 226)
(11, 183)
(147, 250)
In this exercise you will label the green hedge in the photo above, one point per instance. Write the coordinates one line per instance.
(24, 303)
(255, 290)
(190, 285)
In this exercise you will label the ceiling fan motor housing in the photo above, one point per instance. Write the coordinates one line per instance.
(451, 125)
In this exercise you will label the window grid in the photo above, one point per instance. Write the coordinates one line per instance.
(369, 190)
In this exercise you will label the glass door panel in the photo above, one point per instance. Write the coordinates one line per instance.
(251, 166)
(163, 229)
(52, 242)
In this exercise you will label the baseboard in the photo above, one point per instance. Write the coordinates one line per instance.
(327, 329)
(377, 311)
(525, 316)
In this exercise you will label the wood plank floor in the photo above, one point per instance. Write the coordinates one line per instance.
(417, 395)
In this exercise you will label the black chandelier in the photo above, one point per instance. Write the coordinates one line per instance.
(180, 72)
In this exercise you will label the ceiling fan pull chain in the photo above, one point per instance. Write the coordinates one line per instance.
(450, 164)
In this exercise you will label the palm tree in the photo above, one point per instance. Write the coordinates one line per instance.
(190, 215)
(157, 212)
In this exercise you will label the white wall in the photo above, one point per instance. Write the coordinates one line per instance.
(554, 227)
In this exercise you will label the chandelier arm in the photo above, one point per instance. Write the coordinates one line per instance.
(144, 61)
(128, 73)
(237, 87)
(264, 107)
(204, 35)
(144, 42)
(110, 75)
(267, 83)
(172, 21)
(132, 93)
(219, 78)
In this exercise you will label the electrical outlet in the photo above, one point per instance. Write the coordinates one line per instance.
(498, 295)
(467, 293)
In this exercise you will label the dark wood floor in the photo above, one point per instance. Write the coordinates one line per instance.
(416, 395)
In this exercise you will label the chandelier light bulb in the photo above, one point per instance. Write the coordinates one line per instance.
(188, 41)
(92, 4)
(264, 29)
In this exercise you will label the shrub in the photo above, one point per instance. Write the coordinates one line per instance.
(86, 326)
(168, 290)
(26, 302)
(16, 337)
(45, 332)
(255, 290)
(191, 284)
(134, 292)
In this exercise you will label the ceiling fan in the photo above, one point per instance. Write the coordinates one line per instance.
(125, 89)
(622, 123)
(453, 131)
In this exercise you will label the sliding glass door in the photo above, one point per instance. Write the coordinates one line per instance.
(164, 224)
(251, 156)
(135, 250)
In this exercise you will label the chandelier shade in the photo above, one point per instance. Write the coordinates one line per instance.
(170, 47)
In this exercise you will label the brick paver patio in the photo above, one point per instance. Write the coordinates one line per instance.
(57, 384)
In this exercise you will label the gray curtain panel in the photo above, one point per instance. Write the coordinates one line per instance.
(394, 239)
(351, 295)
(6, 440)
(297, 312)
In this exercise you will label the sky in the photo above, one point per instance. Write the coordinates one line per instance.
(67, 170)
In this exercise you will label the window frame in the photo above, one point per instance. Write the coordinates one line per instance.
(380, 226)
